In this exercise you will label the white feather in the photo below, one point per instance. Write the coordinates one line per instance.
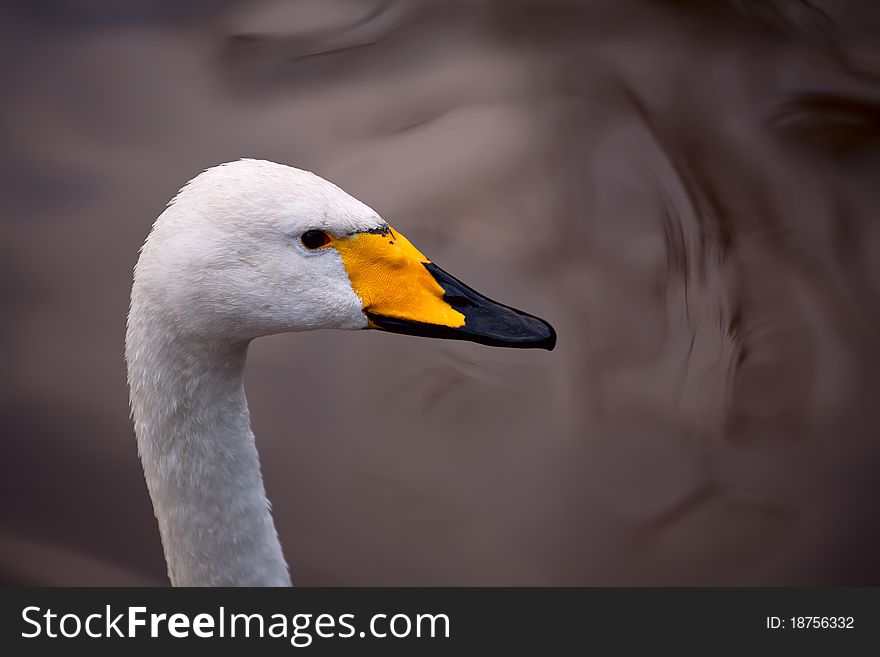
(223, 265)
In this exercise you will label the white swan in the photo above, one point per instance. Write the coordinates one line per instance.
(245, 249)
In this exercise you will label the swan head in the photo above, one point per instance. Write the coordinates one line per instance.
(251, 248)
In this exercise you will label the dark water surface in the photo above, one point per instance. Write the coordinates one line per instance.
(688, 191)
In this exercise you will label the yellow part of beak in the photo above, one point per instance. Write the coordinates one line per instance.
(388, 274)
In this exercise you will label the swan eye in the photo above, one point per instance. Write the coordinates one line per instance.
(314, 239)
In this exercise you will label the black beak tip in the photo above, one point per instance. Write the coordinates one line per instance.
(538, 334)
(549, 342)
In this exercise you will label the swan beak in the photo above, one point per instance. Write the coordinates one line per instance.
(404, 292)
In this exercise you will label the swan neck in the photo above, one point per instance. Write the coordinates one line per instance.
(200, 460)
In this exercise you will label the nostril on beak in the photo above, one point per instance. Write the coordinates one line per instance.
(457, 301)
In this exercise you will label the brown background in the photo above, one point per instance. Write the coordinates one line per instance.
(687, 190)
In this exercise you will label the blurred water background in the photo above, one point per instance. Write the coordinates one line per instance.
(687, 190)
